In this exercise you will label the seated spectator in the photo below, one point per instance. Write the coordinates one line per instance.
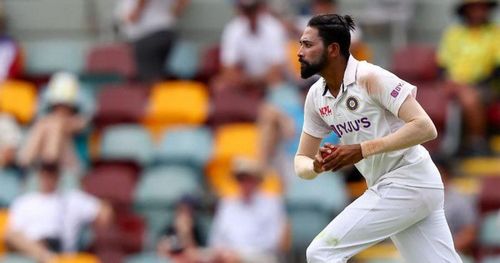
(470, 56)
(253, 48)
(10, 138)
(11, 61)
(182, 238)
(51, 137)
(460, 211)
(150, 27)
(48, 221)
(249, 227)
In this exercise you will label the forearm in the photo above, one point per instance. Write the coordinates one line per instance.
(304, 167)
(416, 131)
(26, 246)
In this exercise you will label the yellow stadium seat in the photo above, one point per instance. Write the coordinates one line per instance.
(77, 258)
(495, 144)
(293, 49)
(19, 99)
(4, 214)
(232, 140)
(385, 250)
(481, 166)
(176, 102)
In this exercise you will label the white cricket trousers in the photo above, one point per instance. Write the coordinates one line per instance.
(412, 217)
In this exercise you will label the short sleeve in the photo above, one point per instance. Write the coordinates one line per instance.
(314, 125)
(229, 46)
(389, 90)
(16, 219)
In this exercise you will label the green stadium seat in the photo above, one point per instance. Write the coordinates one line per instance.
(186, 145)
(306, 224)
(491, 259)
(48, 56)
(489, 234)
(15, 258)
(326, 193)
(183, 60)
(70, 180)
(10, 187)
(146, 258)
(162, 186)
(127, 142)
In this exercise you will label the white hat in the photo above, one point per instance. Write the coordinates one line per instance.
(63, 89)
(247, 166)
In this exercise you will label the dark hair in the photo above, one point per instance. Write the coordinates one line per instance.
(333, 28)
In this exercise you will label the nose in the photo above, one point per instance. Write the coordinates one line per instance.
(300, 53)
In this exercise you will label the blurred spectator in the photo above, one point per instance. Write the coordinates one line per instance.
(11, 61)
(48, 221)
(182, 237)
(249, 227)
(10, 138)
(149, 26)
(470, 56)
(51, 137)
(459, 210)
(253, 48)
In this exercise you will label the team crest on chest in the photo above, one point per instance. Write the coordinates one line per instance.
(352, 103)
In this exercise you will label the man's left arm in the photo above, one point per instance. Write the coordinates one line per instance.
(418, 128)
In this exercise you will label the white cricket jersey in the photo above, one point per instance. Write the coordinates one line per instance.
(367, 108)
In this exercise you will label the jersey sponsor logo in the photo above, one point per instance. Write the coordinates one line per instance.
(352, 103)
(351, 126)
(325, 111)
(396, 90)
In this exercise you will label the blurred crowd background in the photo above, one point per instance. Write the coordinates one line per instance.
(148, 131)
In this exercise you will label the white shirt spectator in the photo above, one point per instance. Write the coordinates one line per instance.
(157, 16)
(249, 227)
(256, 53)
(57, 215)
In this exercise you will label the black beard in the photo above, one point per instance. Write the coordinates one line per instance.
(307, 69)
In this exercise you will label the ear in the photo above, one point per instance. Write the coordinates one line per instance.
(333, 50)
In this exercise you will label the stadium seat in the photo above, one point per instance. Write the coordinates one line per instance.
(15, 258)
(188, 145)
(176, 103)
(381, 252)
(491, 259)
(126, 234)
(423, 66)
(294, 64)
(94, 82)
(182, 62)
(10, 187)
(146, 258)
(490, 230)
(111, 255)
(127, 142)
(120, 103)
(232, 140)
(77, 258)
(18, 98)
(232, 105)
(326, 192)
(4, 216)
(237, 139)
(481, 166)
(210, 64)
(222, 182)
(444, 114)
(111, 58)
(113, 182)
(489, 196)
(306, 224)
(50, 55)
(160, 187)
(156, 221)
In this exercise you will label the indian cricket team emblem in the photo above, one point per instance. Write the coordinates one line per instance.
(352, 103)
